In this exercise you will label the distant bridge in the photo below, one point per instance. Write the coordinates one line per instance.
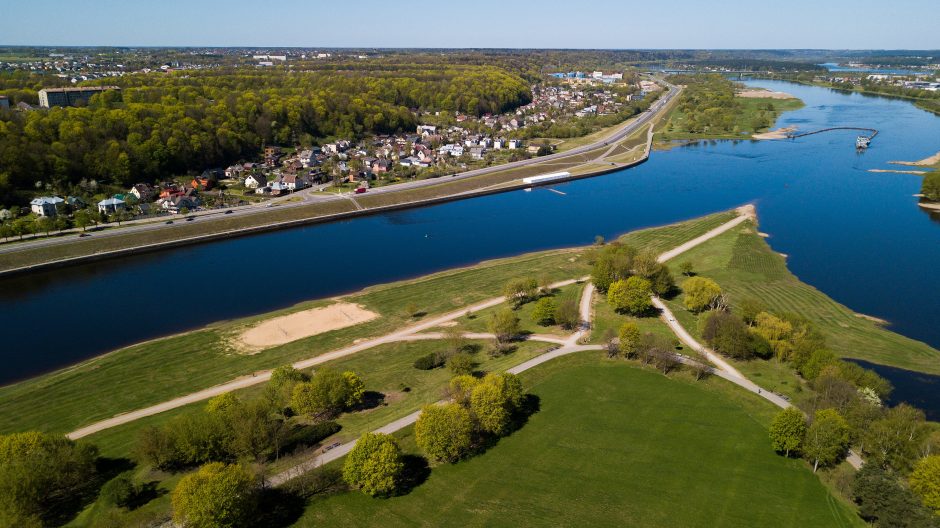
(871, 130)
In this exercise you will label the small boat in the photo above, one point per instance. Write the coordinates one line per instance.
(862, 142)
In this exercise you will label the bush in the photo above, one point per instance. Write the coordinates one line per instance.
(728, 334)
(544, 311)
(374, 465)
(629, 336)
(461, 363)
(429, 362)
(217, 495)
(119, 491)
(567, 315)
(445, 432)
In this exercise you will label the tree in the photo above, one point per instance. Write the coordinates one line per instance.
(223, 404)
(827, 438)
(566, 314)
(444, 432)
(82, 219)
(44, 224)
(327, 394)
(882, 501)
(701, 293)
(686, 268)
(629, 335)
(374, 465)
(281, 385)
(787, 431)
(930, 187)
(749, 308)
(728, 335)
(493, 401)
(925, 481)
(612, 263)
(543, 313)
(217, 495)
(461, 363)
(40, 473)
(631, 295)
(521, 291)
(461, 387)
(119, 491)
(894, 440)
(505, 324)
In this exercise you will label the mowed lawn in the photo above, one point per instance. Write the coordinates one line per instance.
(613, 445)
(746, 267)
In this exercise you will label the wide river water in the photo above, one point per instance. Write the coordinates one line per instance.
(856, 235)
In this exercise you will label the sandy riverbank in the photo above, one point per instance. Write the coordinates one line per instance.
(780, 133)
(926, 162)
(933, 206)
(917, 172)
(753, 93)
(292, 327)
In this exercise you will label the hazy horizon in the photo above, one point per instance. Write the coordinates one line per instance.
(487, 24)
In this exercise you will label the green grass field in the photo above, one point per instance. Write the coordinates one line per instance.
(745, 266)
(162, 369)
(613, 445)
(674, 128)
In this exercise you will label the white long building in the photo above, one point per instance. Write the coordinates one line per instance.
(546, 177)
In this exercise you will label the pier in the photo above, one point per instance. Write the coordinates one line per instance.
(871, 130)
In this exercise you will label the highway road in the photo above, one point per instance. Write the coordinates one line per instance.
(310, 200)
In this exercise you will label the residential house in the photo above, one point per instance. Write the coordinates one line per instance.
(235, 171)
(111, 205)
(201, 183)
(427, 130)
(143, 192)
(45, 205)
(255, 181)
(381, 165)
(515, 143)
(75, 203)
(178, 203)
(499, 144)
(477, 152)
(294, 182)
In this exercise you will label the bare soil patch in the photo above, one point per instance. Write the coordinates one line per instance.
(764, 94)
(306, 323)
(780, 133)
(926, 162)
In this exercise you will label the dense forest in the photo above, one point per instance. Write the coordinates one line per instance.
(162, 124)
(708, 104)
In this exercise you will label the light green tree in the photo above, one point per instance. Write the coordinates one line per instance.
(701, 293)
(827, 438)
(787, 431)
(631, 295)
(444, 432)
(374, 465)
(629, 335)
(494, 400)
(215, 496)
(543, 313)
(521, 291)
(925, 481)
(355, 388)
(505, 324)
(461, 387)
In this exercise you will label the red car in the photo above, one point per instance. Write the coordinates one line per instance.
(360, 190)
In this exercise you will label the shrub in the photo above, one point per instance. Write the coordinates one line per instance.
(631, 295)
(461, 363)
(544, 311)
(217, 495)
(374, 465)
(444, 432)
(428, 362)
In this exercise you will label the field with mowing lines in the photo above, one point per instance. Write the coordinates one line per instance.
(745, 266)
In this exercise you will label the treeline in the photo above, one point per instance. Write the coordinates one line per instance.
(708, 104)
(930, 187)
(162, 124)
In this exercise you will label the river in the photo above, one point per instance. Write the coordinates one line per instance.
(847, 231)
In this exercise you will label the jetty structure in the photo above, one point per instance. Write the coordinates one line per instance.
(861, 142)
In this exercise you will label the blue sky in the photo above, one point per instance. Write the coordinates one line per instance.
(849, 24)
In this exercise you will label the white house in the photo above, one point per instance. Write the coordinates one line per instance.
(142, 191)
(254, 181)
(111, 205)
(294, 183)
(515, 143)
(45, 205)
(427, 130)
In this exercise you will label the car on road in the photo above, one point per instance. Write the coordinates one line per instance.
(168, 222)
(80, 235)
(360, 190)
(190, 218)
(229, 211)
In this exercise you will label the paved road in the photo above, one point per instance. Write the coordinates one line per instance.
(247, 210)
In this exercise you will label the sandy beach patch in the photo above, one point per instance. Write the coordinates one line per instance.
(764, 94)
(780, 133)
(299, 325)
(930, 205)
(872, 318)
(917, 172)
(926, 162)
